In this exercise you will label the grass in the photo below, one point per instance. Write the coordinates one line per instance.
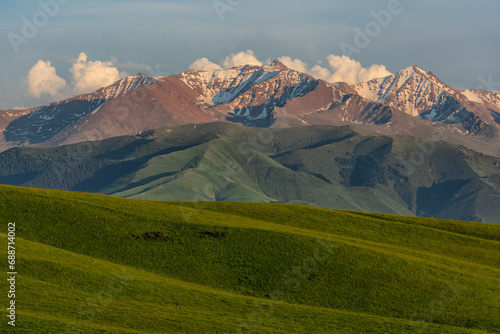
(117, 265)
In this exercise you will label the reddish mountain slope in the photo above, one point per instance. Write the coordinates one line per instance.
(412, 101)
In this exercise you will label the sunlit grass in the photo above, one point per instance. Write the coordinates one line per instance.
(334, 271)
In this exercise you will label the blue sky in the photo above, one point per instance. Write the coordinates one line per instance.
(458, 40)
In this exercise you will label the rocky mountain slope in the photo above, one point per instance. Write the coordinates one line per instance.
(37, 125)
(421, 94)
(411, 102)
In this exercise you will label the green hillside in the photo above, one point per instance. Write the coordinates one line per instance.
(98, 264)
(330, 167)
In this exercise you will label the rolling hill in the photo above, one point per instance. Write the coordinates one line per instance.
(331, 167)
(99, 264)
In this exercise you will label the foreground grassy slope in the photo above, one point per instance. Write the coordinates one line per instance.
(67, 292)
(321, 270)
(64, 292)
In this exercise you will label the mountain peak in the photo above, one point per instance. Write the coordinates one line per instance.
(140, 75)
(276, 63)
(118, 88)
(413, 69)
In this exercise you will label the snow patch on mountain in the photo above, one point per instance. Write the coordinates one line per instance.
(496, 115)
(487, 98)
(473, 97)
(411, 90)
(125, 86)
(224, 86)
(96, 110)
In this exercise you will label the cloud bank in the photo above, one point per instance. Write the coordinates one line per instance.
(235, 59)
(86, 76)
(89, 76)
(203, 64)
(43, 80)
(241, 58)
(339, 69)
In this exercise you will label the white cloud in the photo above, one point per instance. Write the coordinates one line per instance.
(203, 64)
(43, 79)
(89, 76)
(294, 64)
(320, 73)
(240, 59)
(349, 70)
(233, 60)
(339, 68)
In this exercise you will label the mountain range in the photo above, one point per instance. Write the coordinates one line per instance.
(404, 144)
(411, 102)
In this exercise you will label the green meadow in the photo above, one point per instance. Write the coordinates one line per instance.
(92, 263)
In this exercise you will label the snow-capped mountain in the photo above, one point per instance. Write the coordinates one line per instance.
(411, 102)
(250, 94)
(39, 124)
(257, 96)
(421, 94)
(486, 99)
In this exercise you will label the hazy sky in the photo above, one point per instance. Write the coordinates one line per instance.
(458, 40)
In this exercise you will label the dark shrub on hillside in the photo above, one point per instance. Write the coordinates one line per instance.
(219, 234)
(153, 236)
